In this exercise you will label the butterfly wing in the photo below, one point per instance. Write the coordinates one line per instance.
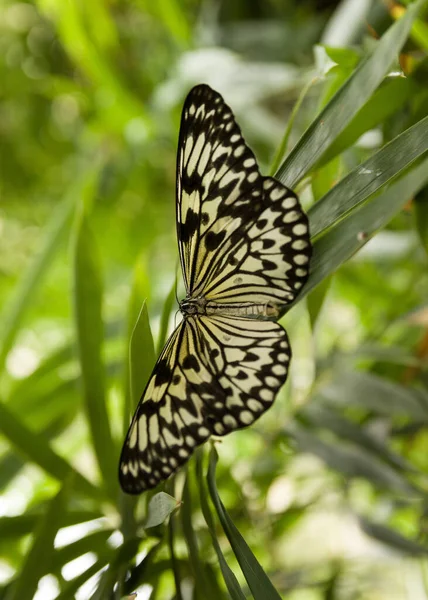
(243, 238)
(215, 375)
(167, 422)
(248, 361)
(268, 263)
(218, 181)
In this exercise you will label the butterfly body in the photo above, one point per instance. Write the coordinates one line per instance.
(202, 306)
(244, 250)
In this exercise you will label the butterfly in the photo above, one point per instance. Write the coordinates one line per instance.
(244, 248)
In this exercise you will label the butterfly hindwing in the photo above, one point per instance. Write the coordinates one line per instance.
(216, 374)
(167, 423)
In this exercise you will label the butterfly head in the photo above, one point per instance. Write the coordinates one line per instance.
(193, 306)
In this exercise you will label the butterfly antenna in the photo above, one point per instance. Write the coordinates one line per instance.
(176, 282)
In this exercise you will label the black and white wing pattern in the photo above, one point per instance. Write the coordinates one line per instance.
(244, 249)
(242, 237)
(215, 375)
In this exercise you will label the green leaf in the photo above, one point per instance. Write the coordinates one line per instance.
(21, 525)
(70, 588)
(352, 232)
(285, 138)
(385, 397)
(161, 505)
(175, 566)
(259, 583)
(229, 577)
(35, 448)
(316, 300)
(90, 337)
(139, 351)
(202, 585)
(367, 178)
(139, 574)
(121, 558)
(167, 308)
(386, 101)
(421, 216)
(352, 461)
(94, 542)
(324, 417)
(345, 104)
(37, 562)
(392, 538)
(141, 356)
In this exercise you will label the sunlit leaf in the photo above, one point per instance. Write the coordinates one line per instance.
(161, 505)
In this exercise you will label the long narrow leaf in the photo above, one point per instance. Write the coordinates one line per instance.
(203, 589)
(370, 176)
(259, 583)
(350, 234)
(122, 557)
(141, 356)
(90, 335)
(325, 129)
(229, 577)
(70, 588)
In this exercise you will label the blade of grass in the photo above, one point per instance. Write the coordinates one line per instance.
(38, 451)
(37, 562)
(259, 583)
(87, 296)
(369, 177)
(141, 359)
(229, 577)
(344, 105)
(353, 461)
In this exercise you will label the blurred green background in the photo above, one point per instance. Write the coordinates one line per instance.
(329, 488)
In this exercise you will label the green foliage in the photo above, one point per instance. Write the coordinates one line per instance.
(334, 477)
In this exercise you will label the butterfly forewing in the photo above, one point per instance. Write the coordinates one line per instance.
(218, 183)
(268, 263)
